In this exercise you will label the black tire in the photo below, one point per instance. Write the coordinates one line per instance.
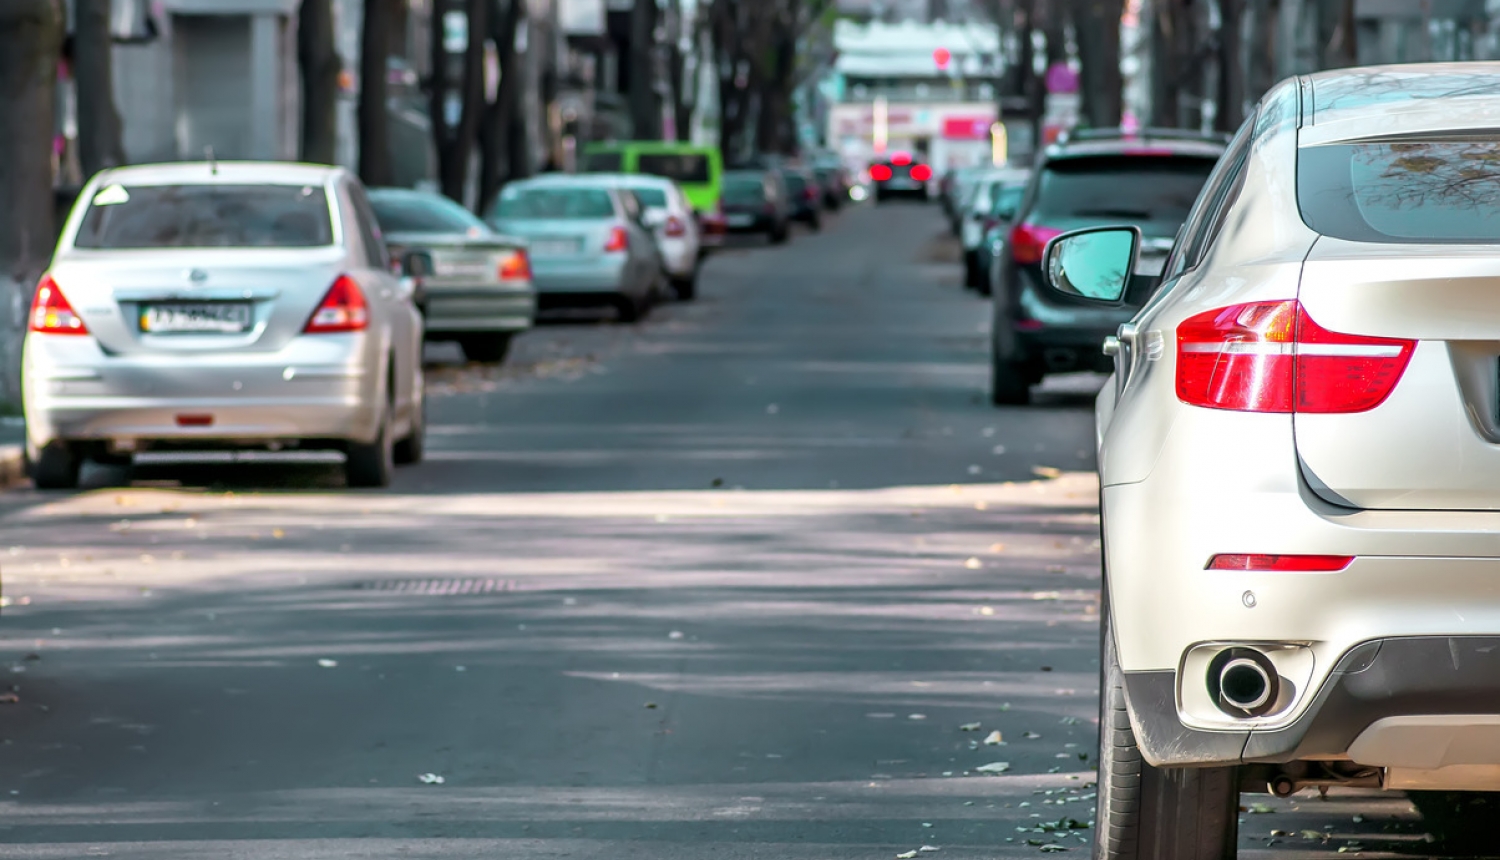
(779, 233)
(631, 309)
(1010, 384)
(370, 464)
(971, 271)
(686, 289)
(55, 466)
(487, 348)
(1154, 813)
(815, 222)
(410, 450)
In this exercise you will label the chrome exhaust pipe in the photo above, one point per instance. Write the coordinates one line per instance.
(1246, 683)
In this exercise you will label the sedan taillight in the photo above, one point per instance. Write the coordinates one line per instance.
(1272, 357)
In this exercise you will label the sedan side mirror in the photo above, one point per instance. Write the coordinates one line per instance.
(1094, 265)
(418, 265)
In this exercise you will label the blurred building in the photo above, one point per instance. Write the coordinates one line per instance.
(926, 88)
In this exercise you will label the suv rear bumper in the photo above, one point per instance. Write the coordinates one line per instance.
(1418, 704)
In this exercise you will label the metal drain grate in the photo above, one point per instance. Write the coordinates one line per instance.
(440, 587)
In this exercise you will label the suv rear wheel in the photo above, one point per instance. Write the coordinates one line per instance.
(55, 466)
(1154, 813)
(1010, 382)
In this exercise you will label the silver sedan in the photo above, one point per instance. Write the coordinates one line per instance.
(194, 306)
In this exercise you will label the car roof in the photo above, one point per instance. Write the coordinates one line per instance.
(1406, 99)
(223, 173)
(626, 180)
(1148, 141)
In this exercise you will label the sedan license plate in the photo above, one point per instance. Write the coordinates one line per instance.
(740, 220)
(209, 317)
(554, 247)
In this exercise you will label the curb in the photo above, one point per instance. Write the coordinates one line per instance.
(12, 465)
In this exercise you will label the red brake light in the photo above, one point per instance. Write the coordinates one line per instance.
(515, 266)
(1272, 357)
(1028, 241)
(1280, 563)
(618, 240)
(675, 226)
(880, 172)
(51, 313)
(901, 159)
(921, 172)
(343, 309)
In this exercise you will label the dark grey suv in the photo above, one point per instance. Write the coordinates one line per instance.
(1148, 179)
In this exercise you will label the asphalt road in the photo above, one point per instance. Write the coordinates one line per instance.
(736, 582)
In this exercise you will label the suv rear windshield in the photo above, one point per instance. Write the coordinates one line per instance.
(744, 189)
(687, 168)
(408, 212)
(1415, 192)
(206, 216)
(1154, 189)
(555, 203)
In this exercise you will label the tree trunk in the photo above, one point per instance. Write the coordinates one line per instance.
(1231, 95)
(1336, 34)
(645, 106)
(99, 142)
(1097, 23)
(456, 145)
(1265, 27)
(500, 115)
(320, 64)
(376, 167)
(31, 33)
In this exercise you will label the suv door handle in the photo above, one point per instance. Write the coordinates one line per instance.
(1111, 346)
(1128, 333)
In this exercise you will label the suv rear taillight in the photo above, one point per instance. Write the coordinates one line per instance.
(51, 313)
(1272, 357)
(343, 309)
(1028, 241)
(675, 226)
(920, 172)
(880, 173)
(515, 266)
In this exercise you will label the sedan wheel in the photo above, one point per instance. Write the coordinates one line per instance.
(686, 288)
(1154, 813)
(489, 348)
(370, 464)
(54, 467)
(411, 449)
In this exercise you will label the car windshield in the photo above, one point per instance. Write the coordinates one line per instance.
(1415, 192)
(796, 183)
(744, 189)
(206, 216)
(652, 197)
(683, 167)
(408, 212)
(1007, 201)
(1141, 189)
(560, 203)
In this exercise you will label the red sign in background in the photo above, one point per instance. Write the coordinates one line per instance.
(967, 127)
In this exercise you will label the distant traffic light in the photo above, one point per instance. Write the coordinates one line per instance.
(941, 56)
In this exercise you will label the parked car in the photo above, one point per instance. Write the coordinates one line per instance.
(1004, 204)
(804, 194)
(978, 217)
(901, 175)
(588, 244)
(668, 214)
(1298, 468)
(229, 305)
(956, 192)
(756, 201)
(834, 180)
(1148, 178)
(479, 292)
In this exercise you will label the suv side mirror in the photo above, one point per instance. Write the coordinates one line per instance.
(417, 265)
(1094, 265)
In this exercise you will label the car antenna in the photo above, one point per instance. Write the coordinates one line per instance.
(213, 163)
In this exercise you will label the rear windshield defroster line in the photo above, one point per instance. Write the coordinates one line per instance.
(1392, 192)
(206, 216)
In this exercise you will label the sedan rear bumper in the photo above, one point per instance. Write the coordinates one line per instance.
(605, 275)
(479, 309)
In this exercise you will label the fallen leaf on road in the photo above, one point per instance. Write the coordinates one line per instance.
(975, 470)
(993, 739)
(675, 634)
(970, 727)
(916, 716)
(1030, 735)
(973, 564)
(993, 767)
(981, 505)
(1260, 809)
(328, 664)
(1052, 849)
(1046, 471)
(772, 409)
(906, 855)
(928, 849)
(986, 610)
(1069, 721)
(430, 779)
(650, 705)
(9, 699)
(997, 547)
(278, 534)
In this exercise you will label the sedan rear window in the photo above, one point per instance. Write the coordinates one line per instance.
(1428, 192)
(1143, 188)
(652, 197)
(744, 190)
(409, 212)
(206, 216)
(555, 203)
(683, 168)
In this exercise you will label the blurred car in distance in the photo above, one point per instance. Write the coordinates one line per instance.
(901, 175)
(1005, 202)
(479, 292)
(804, 194)
(668, 214)
(833, 178)
(223, 306)
(978, 218)
(756, 201)
(587, 242)
(697, 170)
(956, 193)
(1147, 179)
